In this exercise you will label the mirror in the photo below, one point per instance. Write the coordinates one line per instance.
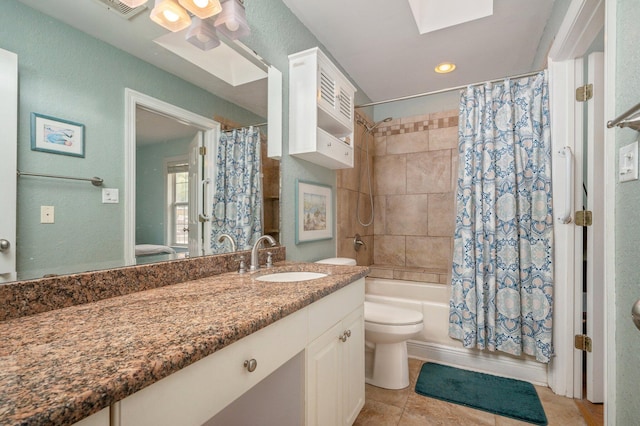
(85, 82)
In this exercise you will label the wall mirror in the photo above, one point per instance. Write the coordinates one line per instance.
(78, 65)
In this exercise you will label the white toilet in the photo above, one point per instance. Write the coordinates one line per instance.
(386, 331)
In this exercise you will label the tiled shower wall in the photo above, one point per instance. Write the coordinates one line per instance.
(347, 200)
(416, 165)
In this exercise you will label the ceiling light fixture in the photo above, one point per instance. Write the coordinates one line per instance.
(202, 34)
(445, 67)
(232, 21)
(168, 14)
(202, 8)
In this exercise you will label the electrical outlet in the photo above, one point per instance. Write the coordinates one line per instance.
(47, 214)
(110, 196)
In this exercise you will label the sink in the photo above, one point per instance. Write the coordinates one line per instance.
(284, 277)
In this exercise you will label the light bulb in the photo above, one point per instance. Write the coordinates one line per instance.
(201, 3)
(170, 15)
(203, 37)
(232, 24)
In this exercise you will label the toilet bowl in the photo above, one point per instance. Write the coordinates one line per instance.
(386, 331)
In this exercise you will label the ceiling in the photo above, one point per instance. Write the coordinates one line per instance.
(378, 44)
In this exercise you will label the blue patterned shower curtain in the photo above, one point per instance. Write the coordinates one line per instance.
(237, 203)
(502, 274)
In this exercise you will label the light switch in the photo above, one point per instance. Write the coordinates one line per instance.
(628, 162)
(110, 196)
(47, 214)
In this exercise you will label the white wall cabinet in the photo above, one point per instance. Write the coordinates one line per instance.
(198, 392)
(321, 111)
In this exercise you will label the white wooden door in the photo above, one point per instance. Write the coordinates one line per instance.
(8, 162)
(324, 379)
(195, 196)
(353, 366)
(595, 233)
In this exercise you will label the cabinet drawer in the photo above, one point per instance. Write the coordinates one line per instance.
(196, 393)
(329, 310)
(339, 152)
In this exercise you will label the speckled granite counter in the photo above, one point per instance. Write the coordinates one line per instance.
(60, 366)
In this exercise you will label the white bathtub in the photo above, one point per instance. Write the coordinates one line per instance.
(434, 343)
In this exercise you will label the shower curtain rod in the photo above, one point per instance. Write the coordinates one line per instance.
(450, 89)
(244, 127)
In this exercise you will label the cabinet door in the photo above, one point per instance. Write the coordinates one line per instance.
(353, 366)
(324, 381)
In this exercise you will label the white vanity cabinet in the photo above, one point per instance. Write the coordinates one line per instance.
(321, 111)
(194, 394)
(335, 364)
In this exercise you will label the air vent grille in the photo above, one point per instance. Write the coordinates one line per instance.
(122, 9)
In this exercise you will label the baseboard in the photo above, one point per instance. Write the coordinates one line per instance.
(485, 362)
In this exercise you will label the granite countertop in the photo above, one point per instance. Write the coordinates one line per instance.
(60, 366)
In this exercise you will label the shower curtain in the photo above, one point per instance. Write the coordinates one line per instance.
(502, 273)
(237, 203)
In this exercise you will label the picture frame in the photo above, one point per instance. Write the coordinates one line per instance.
(314, 212)
(56, 136)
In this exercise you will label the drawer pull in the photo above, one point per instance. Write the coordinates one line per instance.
(345, 335)
(251, 365)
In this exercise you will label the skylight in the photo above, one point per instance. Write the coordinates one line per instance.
(432, 15)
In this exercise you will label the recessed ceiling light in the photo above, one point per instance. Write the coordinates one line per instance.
(445, 67)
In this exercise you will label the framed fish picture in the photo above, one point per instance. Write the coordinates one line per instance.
(57, 136)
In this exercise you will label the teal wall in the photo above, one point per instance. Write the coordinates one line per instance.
(627, 94)
(67, 74)
(150, 188)
(275, 34)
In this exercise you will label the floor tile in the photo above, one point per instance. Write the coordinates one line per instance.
(404, 407)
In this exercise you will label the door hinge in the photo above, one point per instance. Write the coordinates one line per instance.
(584, 93)
(584, 218)
(203, 150)
(582, 342)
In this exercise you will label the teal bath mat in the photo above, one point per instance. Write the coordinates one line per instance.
(497, 395)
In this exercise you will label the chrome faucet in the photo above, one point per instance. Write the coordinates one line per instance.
(230, 238)
(255, 262)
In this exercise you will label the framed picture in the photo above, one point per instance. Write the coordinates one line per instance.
(57, 136)
(314, 212)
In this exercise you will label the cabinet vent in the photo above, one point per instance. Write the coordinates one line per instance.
(346, 104)
(327, 89)
(122, 9)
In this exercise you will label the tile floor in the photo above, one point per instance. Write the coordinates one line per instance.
(406, 408)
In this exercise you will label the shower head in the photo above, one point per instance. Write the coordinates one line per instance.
(368, 128)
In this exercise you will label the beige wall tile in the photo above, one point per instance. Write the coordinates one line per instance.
(415, 119)
(343, 224)
(445, 138)
(428, 172)
(429, 252)
(389, 250)
(390, 174)
(408, 142)
(364, 213)
(454, 169)
(407, 214)
(444, 114)
(441, 215)
(381, 272)
(380, 145)
(426, 277)
(380, 213)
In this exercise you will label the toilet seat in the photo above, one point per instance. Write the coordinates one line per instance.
(377, 313)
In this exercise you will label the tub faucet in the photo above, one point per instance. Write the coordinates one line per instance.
(255, 262)
(231, 241)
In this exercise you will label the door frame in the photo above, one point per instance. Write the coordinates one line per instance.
(582, 23)
(9, 154)
(133, 99)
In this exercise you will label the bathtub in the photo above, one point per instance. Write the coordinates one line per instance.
(434, 343)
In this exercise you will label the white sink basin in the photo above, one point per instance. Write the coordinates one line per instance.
(285, 277)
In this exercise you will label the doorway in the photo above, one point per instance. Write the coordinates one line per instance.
(200, 231)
